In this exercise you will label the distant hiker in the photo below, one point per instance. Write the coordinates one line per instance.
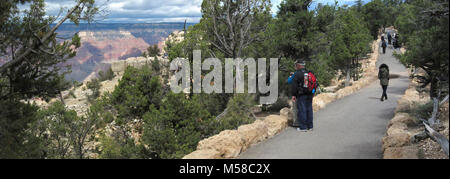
(304, 85)
(396, 41)
(389, 38)
(383, 75)
(382, 37)
(384, 45)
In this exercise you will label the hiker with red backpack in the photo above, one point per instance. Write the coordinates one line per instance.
(304, 85)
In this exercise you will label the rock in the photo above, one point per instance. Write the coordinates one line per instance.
(275, 124)
(203, 154)
(321, 100)
(253, 133)
(331, 88)
(228, 143)
(404, 118)
(420, 136)
(396, 140)
(408, 152)
(287, 112)
(344, 92)
(397, 128)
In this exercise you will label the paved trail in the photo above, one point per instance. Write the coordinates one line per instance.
(348, 128)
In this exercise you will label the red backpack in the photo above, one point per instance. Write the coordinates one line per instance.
(311, 83)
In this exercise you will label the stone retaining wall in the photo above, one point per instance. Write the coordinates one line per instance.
(398, 142)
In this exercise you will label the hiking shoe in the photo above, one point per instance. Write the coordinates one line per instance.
(312, 129)
(302, 130)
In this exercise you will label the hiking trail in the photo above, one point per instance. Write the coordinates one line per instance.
(351, 127)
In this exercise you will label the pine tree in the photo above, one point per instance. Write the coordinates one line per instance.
(32, 67)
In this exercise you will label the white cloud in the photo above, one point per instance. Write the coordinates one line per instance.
(154, 10)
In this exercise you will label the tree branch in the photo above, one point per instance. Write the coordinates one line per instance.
(19, 58)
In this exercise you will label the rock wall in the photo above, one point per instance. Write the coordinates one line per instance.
(405, 137)
(230, 143)
(398, 142)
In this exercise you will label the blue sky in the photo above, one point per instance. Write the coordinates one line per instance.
(150, 11)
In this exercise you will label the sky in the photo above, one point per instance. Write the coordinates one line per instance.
(154, 11)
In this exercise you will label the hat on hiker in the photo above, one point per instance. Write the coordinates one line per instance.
(301, 62)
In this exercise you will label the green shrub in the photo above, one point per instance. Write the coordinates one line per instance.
(94, 85)
(108, 75)
(174, 130)
(136, 92)
(238, 112)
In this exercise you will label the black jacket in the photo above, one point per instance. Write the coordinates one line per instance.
(297, 83)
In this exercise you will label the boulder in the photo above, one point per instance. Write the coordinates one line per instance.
(345, 92)
(203, 154)
(396, 140)
(407, 152)
(275, 124)
(253, 133)
(287, 112)
(397, 128)
(321, 100)
(404, 118)
(228, 143)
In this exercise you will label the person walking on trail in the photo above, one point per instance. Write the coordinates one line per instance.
(304, 85)
(383, 45)
(396, 41)
(389, 38)
(383, 75)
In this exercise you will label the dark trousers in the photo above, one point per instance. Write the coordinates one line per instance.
(384, 50)
(305, 111)
(384, 96)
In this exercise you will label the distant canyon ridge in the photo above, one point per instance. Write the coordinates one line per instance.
(102, 43)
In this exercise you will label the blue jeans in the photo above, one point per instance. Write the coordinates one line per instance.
(305, 111)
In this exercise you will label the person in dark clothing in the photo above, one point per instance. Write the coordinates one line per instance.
(384, 45)
(389, 38)
(383, 75)
(397, 41)
(304, 100)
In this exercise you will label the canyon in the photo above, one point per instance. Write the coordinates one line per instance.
(103, 43)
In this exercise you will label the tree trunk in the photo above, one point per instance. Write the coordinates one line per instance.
(439, 138)
(347, 78)
(62, 98)
(433, 119)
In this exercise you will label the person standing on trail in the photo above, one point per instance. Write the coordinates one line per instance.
(383, 75)
(304, 85)
(383, 45)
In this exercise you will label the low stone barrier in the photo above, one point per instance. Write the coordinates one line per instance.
(231, 143)
(397, 144)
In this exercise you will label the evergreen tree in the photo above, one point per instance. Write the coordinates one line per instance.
(426, 29)
(350, 42)
(33, 66)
